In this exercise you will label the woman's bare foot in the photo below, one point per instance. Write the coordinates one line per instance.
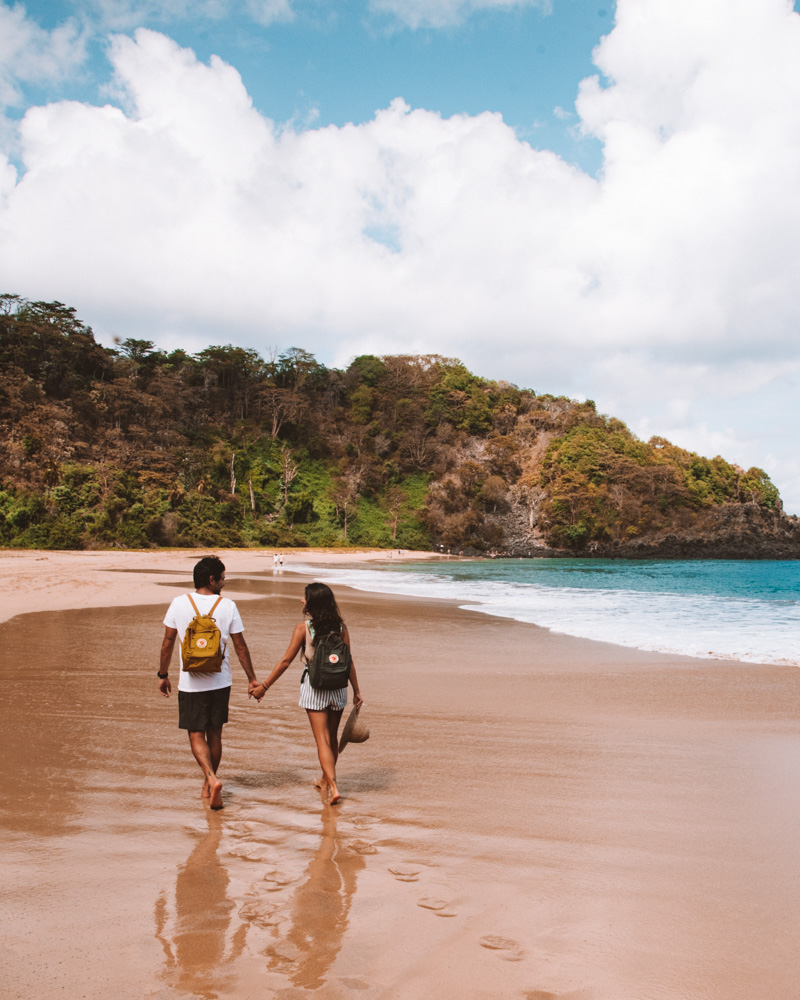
(215, 788)
(334, 796)
(320, 782)
(206, 791)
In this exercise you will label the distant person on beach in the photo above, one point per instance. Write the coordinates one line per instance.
(203, 697)
(324, 708)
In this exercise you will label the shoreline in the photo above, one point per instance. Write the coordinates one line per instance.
(124, 578)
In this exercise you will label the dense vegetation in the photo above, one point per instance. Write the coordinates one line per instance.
(137, 447)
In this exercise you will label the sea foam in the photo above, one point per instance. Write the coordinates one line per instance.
(721, 609)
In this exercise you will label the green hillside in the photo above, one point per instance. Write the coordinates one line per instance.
(135, 447)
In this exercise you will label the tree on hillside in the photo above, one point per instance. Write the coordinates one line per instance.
(396, 497)
(289, 471)
(345, 498)
(47, 342)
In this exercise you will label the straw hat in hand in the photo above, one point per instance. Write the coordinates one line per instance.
(355, 731)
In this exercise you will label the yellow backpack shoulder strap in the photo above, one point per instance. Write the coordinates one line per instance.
(193, 604)
(211, 612)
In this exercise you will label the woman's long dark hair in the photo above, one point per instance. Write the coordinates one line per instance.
(322, 609)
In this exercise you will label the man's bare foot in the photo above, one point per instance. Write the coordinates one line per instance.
(216, 794)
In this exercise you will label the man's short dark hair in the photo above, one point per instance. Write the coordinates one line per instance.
(207, 567)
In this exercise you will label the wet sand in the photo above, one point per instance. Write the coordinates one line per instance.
(533, 817)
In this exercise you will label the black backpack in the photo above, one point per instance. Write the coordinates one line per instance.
(330, 665)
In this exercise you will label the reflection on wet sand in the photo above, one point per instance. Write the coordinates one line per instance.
(202, 941)
(195, 947)
(319, 911)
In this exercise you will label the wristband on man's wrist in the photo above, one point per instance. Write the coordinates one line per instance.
(162, 676)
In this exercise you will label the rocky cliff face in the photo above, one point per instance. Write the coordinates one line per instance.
(564, 480)
(744, 531)
(736, 531)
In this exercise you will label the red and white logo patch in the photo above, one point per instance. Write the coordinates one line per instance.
(201, 643)
(333, 658)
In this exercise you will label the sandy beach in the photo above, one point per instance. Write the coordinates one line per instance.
(534, 816)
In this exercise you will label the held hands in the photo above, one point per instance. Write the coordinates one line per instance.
(256, 690)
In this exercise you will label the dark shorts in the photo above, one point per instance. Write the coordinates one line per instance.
(199, 711)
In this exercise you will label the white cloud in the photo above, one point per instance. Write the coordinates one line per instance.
(443, 13)
(267, 12)
(29, 54)
(665, 289)
(125, 15)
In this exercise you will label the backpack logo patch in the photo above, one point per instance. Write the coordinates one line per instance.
(201, 643)
(329, 667)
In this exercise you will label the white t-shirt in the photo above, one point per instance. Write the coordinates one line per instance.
(178, 616)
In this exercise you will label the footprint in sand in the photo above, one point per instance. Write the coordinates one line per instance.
(285, 955)
(256, 911)
(363, 822)
(405, 874)
(441, 907)
(507, 948)
(355, 984)
(239, 830)
(201, 828)
(277, 880)
(250, 852)
(363, 847)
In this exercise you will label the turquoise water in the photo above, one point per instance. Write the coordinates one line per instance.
(732, 609)
(771, 580)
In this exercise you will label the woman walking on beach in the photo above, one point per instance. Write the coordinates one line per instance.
(324, 707)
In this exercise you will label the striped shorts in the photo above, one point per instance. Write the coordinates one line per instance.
(318, 700)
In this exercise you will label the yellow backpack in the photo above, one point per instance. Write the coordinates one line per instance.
(201, 650)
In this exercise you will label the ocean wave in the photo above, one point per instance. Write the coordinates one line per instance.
(748, 629)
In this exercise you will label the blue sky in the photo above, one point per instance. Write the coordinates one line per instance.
(583, 198)
(333, 63)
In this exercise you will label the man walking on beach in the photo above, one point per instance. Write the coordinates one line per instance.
(203, 697)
